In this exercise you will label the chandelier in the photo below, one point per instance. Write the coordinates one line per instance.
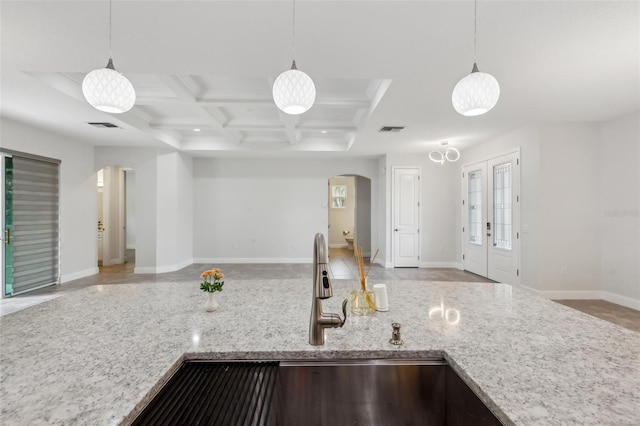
(450, 154)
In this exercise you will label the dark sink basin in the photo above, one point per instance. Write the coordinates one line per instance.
(345, 392)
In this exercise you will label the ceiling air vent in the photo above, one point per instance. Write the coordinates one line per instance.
(395, 129)
(104, 125)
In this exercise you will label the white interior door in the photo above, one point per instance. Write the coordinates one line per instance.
(491, 218)
(503, 223)
(406, 217)
(474, 215)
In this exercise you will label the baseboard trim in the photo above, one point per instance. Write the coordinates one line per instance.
(77, 275)
(219, 260)
(162, 269)
(439, 265)
(621, 300)
(570, 294)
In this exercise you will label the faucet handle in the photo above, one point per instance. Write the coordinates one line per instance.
(344, 312)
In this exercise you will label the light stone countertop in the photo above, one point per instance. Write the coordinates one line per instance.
(92, 356)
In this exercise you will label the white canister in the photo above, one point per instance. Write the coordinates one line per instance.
(382, 300)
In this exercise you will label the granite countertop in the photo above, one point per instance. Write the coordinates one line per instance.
(92, 355)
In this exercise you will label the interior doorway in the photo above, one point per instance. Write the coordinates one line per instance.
(406, 217)
(116, 217)
(491, 218)
(349, 201)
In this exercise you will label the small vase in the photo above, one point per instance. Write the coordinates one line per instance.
(212, 303)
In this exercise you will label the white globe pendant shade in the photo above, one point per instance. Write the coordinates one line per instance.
(293, 91)
(476, 93)
(109, 91)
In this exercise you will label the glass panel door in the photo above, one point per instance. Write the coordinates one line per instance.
(474, 216)
(475, 207)
(7, 168)
(503, 251)
(502, 206)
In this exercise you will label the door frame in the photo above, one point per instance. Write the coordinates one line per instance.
(2, 222)
(393, 218)
(516, 207)
(113, 242)
(4, 153)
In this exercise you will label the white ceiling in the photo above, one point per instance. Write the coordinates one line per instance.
(210, 65)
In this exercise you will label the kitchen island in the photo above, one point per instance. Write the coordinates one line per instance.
(96, 355)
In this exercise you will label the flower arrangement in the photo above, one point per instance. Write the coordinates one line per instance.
(212, 280)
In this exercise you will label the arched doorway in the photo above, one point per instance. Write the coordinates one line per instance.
(349, 214)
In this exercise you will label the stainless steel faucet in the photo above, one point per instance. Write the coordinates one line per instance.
(322, 290)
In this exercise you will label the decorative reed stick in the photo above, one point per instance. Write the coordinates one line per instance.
(363, 277)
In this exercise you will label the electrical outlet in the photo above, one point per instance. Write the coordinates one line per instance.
(563, 270)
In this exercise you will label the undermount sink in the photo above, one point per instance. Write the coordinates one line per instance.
(345, 392)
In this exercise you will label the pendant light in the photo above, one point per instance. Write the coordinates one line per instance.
(106, 89)
(478, 92)
(293, 91)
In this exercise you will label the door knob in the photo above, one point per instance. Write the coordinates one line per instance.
(396, 229)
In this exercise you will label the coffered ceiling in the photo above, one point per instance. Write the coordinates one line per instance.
(203, 70)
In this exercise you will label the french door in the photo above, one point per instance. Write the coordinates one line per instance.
(491, 218)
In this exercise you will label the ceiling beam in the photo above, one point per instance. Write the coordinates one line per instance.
(173, 83)
(268, 102)
(329, 128)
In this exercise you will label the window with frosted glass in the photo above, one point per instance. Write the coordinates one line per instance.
(474, 196)
(502, 211)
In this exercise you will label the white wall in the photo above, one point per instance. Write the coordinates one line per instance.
(163, 204)
(527, 139)
(174, 215)
(382, 209)
(78, 194)
(439, 203)
(265, 210)
(570, 218)
(131, 208)
(580, 235)
(363, 215)
(620, 210)
(342, 219)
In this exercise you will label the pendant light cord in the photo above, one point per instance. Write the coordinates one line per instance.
(475, 29)
(293, 33)
(110, 51)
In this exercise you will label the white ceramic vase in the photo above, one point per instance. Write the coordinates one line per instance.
(212, 303)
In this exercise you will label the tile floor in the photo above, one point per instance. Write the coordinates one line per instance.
(342, 265)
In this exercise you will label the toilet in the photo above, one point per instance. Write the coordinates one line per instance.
(349, 241)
